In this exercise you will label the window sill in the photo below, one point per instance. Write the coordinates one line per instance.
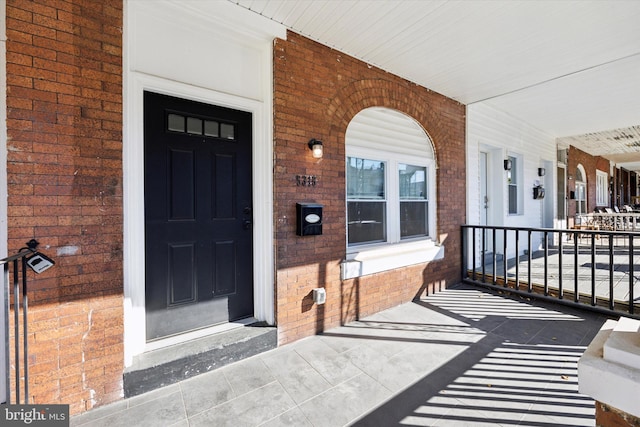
(389, 257)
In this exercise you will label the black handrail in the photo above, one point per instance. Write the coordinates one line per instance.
(585, 242)
(19, 262)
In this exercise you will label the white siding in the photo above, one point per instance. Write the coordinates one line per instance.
(501, 135)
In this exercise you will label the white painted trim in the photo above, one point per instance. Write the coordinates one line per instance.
(133, 165)
(389, 257)
(228, 22)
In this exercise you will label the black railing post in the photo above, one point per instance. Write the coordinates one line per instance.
(560, 250)
(463, 254)
(7, 346)
(517, 248)
(484, 250)
(473, 252)
(16, 320)
(631, 274)
(593, 269)
(494, 264)
(546, 263)
(25, 333)
(529, 285)
(611, 296)
(504, 258)
(576, 267)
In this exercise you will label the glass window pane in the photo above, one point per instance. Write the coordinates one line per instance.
(413, 219)
(175, 123)
(413, 182)
(512, 175)
(194, 126)
(513, 199)
(211, 128)
(365, 179)
(227, 131)
(366, 222)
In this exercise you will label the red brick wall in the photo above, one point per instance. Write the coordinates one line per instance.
(317, 91)
(590, 164)
(608, 416)
(64, 124)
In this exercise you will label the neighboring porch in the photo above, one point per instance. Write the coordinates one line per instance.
(462, 356)
(589, 269)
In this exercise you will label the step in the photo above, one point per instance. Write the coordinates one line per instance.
(169, 365)
(623, 344)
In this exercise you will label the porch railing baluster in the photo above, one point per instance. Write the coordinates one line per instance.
(611, 269)
(546, 287)
(560, 249)
(19, 263)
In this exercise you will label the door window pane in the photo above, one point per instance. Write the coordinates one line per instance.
(227, 131)
(175, 123)
(194, 126)
(211, 128)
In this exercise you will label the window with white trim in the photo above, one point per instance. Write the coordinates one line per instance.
(386, 207)
(390, 174)
(581, 190)
(512, 180)
(602, 188)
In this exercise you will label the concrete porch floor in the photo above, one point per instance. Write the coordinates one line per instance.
(460, 357)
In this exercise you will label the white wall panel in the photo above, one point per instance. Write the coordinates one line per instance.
(501, 135)
(188, 44)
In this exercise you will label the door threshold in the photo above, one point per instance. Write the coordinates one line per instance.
(171, 364)
(199, 333)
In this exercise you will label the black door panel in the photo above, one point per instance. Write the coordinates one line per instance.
(197, 188)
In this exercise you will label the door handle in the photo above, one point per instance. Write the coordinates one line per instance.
(246, 224)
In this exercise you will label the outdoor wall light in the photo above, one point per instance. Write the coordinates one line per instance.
(541, 171)
(315, 146)
(507, 165)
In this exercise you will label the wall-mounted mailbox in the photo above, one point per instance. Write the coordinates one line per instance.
(308, 219)
(538, 192)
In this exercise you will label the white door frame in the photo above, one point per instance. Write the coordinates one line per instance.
(133, 170)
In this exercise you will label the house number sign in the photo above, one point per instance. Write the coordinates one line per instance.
(306, 180)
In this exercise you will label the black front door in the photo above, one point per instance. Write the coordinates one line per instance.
(198, 237)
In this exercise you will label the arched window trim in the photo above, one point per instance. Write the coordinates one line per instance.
(392, 143)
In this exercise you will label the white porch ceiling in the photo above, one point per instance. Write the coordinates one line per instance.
(569, 68)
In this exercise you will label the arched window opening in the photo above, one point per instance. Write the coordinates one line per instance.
(581, 191)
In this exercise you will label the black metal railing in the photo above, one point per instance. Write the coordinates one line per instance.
(15, 276)
(592, 269)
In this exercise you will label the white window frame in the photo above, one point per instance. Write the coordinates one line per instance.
(516, 172)
(602, 188)
(369, 258)
(392, 193)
